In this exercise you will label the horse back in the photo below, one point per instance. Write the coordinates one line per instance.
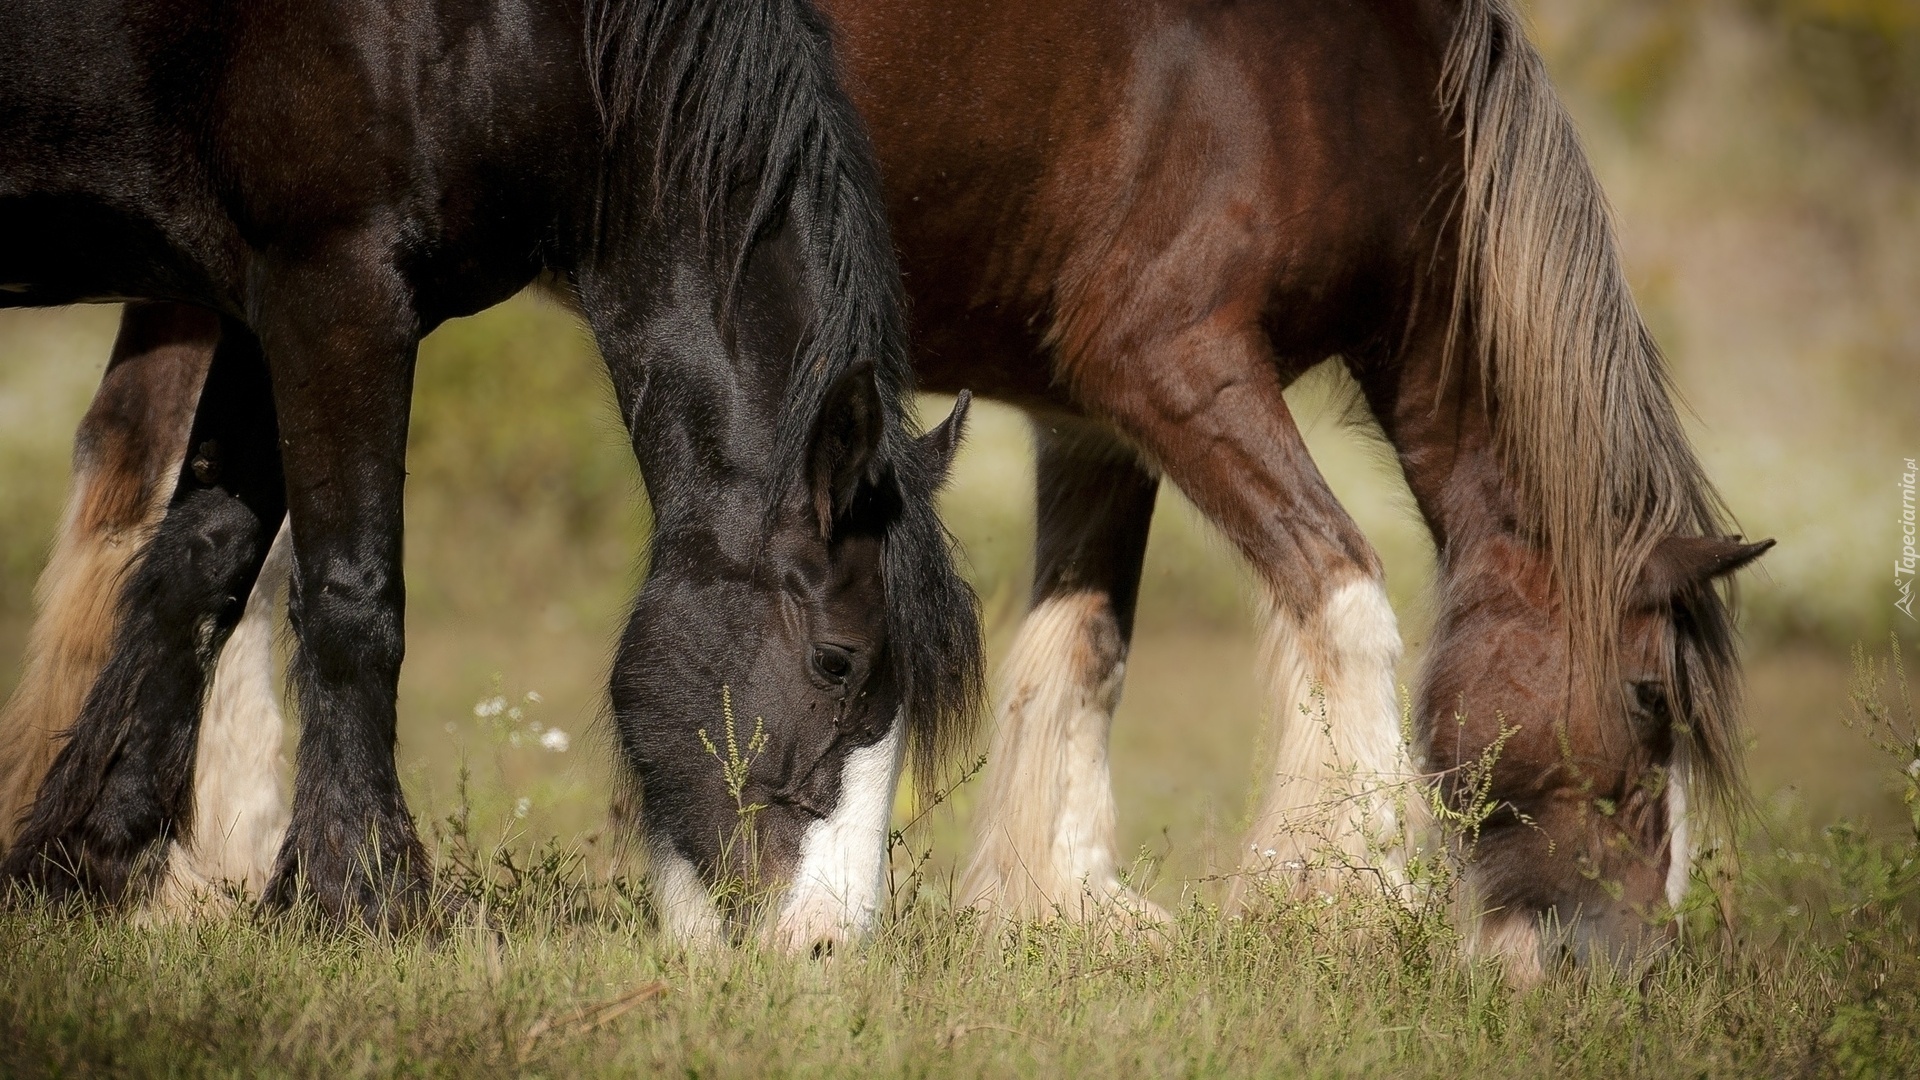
(1054, 164)
(155, 148)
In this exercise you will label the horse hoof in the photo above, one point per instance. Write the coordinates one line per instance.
(73, 867)
(384, 884)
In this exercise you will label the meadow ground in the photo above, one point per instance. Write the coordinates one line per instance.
(1803, 958)
(1799, 961)
(1771, 225)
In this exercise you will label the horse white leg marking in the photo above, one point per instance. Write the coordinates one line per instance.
(1333, 795)
(1044, 835)
(239, 802)
(686, 909)
(1514, 940)
(838, 886)
(1679, 838)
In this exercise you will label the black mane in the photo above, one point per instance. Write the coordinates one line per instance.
(747, 107)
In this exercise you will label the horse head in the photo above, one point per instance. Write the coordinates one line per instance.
(1582, 787)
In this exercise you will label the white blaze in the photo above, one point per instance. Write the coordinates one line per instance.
(841, 877)
(1679, 838)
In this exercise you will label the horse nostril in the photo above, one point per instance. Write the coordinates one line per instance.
(833, 663)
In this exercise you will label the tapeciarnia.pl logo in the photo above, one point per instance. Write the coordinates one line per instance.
(1903, 566)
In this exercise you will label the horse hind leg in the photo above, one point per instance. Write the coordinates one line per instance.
(127, 453)
(1045, 829)
(239, 800)
(121, 786)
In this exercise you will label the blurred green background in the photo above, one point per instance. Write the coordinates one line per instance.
(1763, 157)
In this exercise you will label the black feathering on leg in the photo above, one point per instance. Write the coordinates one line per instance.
(123, 784)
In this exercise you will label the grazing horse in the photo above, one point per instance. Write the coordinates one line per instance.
(320, 187)
(1140, 222)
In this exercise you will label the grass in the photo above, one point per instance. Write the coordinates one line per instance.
(1300, 992)
(1803, 961)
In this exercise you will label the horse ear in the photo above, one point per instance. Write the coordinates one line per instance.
(1681, 562)
(938, 446)
(845, 439)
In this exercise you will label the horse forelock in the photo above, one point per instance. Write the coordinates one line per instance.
(739, 99)
(1585, 420)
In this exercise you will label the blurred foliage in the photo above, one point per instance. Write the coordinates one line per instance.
(1850, 62)
(521, 489)
(513, 407)
(50, 363)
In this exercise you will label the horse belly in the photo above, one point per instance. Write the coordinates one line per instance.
(97, 200)
(70, 249)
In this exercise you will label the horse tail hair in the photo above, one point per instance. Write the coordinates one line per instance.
(1584, 416)
(77, 601)
(127, 452)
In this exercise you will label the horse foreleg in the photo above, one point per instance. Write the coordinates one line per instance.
(338, 329)
(1044, 831)
(1213, 416)
(121, 786)
(126, 454)
(1339, 797)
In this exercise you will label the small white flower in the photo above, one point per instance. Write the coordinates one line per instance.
(515, 713)
(534, 698)
(555, 740)
(521, 806)
(1269, 853)
(492, 706)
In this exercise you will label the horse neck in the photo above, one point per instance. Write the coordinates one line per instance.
(1442, 428)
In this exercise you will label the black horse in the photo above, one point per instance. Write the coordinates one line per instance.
(331, 181)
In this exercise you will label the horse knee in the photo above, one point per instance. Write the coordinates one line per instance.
(348, 618)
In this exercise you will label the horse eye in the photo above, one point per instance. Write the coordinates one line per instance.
(1649, 696)
(833, 663)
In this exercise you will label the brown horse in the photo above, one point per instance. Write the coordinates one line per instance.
(1140, 221)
